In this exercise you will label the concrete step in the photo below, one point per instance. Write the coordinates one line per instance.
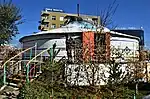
(9, 92)
(16, 80)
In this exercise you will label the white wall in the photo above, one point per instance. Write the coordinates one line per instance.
(82, 74)
(60, 44)
(46, 43)
(120, 44)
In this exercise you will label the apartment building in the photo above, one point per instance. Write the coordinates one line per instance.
(55, 18)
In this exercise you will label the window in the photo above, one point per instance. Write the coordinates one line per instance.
(53, 26)
(46, 25)
(53, 17)
(61, 18)
(61, 25)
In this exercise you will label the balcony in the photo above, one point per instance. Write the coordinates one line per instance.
(39, 27)
(44, 20)
(43, 28)
(44, 13)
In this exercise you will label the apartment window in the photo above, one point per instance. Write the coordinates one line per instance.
(53, 17)
(45, 24)
(61, 18)
(53, 26)
(61, 25)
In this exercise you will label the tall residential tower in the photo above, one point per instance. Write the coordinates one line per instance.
(55, 18)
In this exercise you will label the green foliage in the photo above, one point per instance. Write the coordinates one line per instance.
(42, 87)
(115, 73)
(10, 18)
(52, 82)
(1, 81)
(120, 93)
(33, 91)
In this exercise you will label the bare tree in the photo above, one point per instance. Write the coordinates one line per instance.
(87, 67)
(107, 14)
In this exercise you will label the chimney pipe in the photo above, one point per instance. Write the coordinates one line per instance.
(78, 9)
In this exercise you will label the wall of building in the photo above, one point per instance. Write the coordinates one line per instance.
(46, 22)
(134, 32)
(127, 47)
(48, 42)
(124, 44)
(83, 74)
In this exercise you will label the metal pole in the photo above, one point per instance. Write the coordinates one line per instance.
(136, 75)
(78, 9)
(4, 79)
(51, 58)
(27, 77)
(24, 62)
(35, 59)
(35, 49)
(134, 96)
(28, 67)
(40, 64)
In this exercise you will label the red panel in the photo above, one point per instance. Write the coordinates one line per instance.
(107, 41)
(88, 45)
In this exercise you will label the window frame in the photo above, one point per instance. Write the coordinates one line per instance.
(53, 25)
(61, 18)
(53, 17)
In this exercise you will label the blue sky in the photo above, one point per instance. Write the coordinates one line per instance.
(130, 13)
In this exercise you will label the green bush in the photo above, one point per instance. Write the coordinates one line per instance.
(33, 91)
